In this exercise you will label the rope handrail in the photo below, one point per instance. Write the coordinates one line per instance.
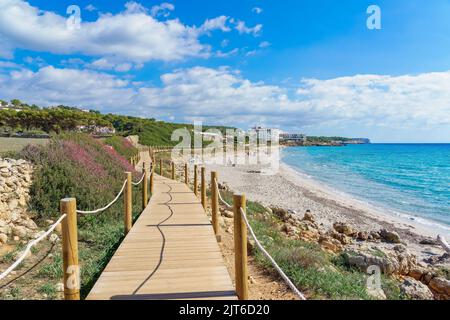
(267, 255)
(220, 196)
(29, 246)
(140, 181)
(107, 206)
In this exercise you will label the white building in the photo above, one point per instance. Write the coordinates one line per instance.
(293, 137)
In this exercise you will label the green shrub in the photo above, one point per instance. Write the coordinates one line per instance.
(123, 146)
(77, 165)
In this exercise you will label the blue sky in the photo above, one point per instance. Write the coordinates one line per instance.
(309, 66)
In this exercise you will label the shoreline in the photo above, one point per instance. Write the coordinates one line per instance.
(423, 225)
(293, 190)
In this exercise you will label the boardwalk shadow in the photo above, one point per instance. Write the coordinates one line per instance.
(182, 295)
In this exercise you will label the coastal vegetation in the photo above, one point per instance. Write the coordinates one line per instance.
(73, 165)
(24, 118)
(317, 273)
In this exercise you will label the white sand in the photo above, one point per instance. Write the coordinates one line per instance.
(293, 190)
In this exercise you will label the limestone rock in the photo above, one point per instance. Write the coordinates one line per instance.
(362, 236)
(389, 236)
(59, 287)
(415, 290)
(344, 228)
(308, 216)
(228, 214)
(330, 244)
(15, 182)
(19, 231)
(441, 286)
(3, 238)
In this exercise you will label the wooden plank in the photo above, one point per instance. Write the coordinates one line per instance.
(184, 262)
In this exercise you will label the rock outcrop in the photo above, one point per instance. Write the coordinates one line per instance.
(415, 290)
(15, 181)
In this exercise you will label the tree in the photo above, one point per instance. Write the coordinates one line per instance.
(16, 102)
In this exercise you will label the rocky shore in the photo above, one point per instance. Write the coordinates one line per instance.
(364, 238)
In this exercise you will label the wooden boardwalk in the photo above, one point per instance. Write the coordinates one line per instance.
(170, 253)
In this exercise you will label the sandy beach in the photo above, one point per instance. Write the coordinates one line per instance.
(292, 190)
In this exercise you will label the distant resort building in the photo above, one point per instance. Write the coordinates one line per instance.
(97, 130)
(299, 138)
(10, 106)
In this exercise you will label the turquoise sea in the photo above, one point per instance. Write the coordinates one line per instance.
(405, 179)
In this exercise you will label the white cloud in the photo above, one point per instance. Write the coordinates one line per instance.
(52, 86)
(402, 101)
(257, 10)
(90, 8)
(218, 23)
(227, 54)
(242, 28)
(264, 44)
(38, 61)
(223, 96)
(162, 10)
(131, 35)
(105, 64)
(9, 65)
(225, 43)
(251, 53)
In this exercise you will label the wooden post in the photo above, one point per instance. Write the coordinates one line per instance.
(152, 170)
(128, 204)
(240, 247)
(196, 180)
(160, 167)
(145, 188)
(70, 249)
(215, 203)
(173, 170)
(186, 176)
(203, 188)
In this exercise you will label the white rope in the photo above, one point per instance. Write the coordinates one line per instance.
(220, 196)
(138, 183)
(29, 246)
(276, 266)
(109, 205)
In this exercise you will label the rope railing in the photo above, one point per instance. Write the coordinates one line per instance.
(29, 246)
(220, 196)
(261, 248)
(108, 205)
(69, 236)
(269, 257)
(139, 182)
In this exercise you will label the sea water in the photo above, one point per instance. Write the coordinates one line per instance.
(405, 179)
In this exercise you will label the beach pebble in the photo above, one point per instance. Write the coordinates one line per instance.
(59, 287)
(228, 214)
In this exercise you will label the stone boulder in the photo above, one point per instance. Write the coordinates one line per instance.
(330, 244)
(308, 216)
(441, 288)
(389, 261)
(415, 290)
(343, 228)
(389, 236)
